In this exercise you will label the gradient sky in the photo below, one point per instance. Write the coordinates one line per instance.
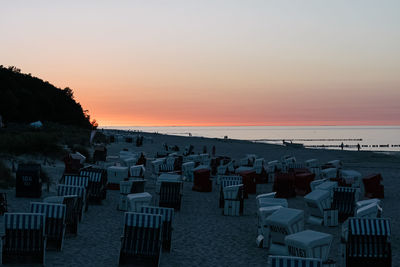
(211, 62)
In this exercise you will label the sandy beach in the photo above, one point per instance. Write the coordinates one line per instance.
(202, 236)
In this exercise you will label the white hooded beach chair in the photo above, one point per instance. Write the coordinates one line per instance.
(25, 238)
(137, 171)
(315, 183)
(283, 222)
(125, 188)
(138, 200)
(233, 200)
(228, 180)
(328, 186)
(187, 171)
(329, 173)
(263, 230)
(351, 177)
(309, 244)
(312, 163)
(55, 222)
(372, 210)
(141, 241)
(316, 202)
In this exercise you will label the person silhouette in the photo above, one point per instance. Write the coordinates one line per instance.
(358, 146)
(342, 145)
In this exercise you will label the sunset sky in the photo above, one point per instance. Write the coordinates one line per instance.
(212, 62)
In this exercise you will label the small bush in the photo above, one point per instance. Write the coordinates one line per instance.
(6, 178)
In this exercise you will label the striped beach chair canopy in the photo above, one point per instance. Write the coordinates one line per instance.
(76, 180)
(24, 221)
(52, 210)
(94, 176)
(146, 220)
(287, 261)
(64, 190)
(167, 213)
(369, 227)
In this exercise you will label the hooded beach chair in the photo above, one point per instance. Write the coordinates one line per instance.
(344, 200)
(367, 242)
(137, 171)
(283, 222)
(78, 180)
(233, 200)
(167, 218)
(79, 191)
(228, 180)
(284, 185)
(55, 222)
(171, 195)
(25, 238)
(372, 186)
(97, 183)
(141, 240)
(72, 211)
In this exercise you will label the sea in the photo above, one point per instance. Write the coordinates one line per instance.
(371, 138)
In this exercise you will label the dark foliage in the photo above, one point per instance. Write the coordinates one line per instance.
(6, 178)
(25, 99)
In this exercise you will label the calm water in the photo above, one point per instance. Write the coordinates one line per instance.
(376, 138)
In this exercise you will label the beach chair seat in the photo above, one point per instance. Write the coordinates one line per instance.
(344, 200)
(289, 261)
(233, 200)
(78, 180)
(329, 173)
(284, 185)
(141, 241)
(367, 242)
(97, 183)
(28, 182)
(372, 186)
(72, 211)
(138, 185)
(167, 218)
(227, 180)
(138, 200)
(3, 203)
(309, 244)
(249, 182)
(171, 195)
(79, 191)
(25, 238)
(202, 181)
(55, 222)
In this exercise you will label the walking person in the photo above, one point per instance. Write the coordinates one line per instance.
(358, 147)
